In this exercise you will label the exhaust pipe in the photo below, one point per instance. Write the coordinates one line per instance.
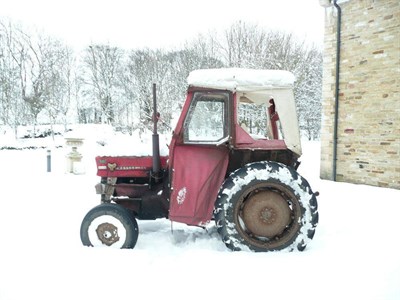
(156, 140)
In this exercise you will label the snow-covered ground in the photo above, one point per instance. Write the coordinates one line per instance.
(354, 254)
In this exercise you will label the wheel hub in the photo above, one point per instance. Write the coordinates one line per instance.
(107, 233)
(266, 214)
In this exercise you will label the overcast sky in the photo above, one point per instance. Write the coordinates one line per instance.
(160, 23)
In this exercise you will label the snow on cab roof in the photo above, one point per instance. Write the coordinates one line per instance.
(238, 79)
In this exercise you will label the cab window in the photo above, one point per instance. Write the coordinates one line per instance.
(206, 121)
(260, 121)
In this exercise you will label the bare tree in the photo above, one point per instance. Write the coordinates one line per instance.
(248, 46)
(60, 63)
(12, 108)
(102, 64)
(111, 86)
(71, 83)
(169, 71)
(308, 94)
(243, 45)
(34, 75)
(145, 67)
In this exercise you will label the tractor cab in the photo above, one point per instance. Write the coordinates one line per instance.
(231, 117)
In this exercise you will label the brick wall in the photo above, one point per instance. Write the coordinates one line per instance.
(368, 149)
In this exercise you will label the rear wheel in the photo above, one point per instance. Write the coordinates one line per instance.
(266, 206)
(109, 225)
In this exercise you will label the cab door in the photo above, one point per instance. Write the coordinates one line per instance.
(199, 157)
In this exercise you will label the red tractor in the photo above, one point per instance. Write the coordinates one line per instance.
(232, 158)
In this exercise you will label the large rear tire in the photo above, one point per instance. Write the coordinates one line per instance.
(109, 225)
(266, 206)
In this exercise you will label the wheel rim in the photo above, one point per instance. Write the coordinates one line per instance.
(265, 216)
(107, 231)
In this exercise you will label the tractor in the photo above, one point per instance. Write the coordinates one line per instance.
(232, 159)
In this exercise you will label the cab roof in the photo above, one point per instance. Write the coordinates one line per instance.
(241, 80)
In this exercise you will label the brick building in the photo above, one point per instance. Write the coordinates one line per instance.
(360, 138)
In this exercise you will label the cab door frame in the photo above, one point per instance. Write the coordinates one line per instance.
(198, 162)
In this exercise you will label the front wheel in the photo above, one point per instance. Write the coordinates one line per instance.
(109, 225)
(266, 206)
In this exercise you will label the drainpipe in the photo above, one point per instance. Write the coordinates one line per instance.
(336, 121)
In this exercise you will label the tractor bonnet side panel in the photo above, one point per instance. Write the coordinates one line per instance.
(126, 166)
(198, 173)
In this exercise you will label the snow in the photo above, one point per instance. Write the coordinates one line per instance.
(241, 79)
(354, 254)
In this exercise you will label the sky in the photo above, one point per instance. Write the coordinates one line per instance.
(158, 23)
